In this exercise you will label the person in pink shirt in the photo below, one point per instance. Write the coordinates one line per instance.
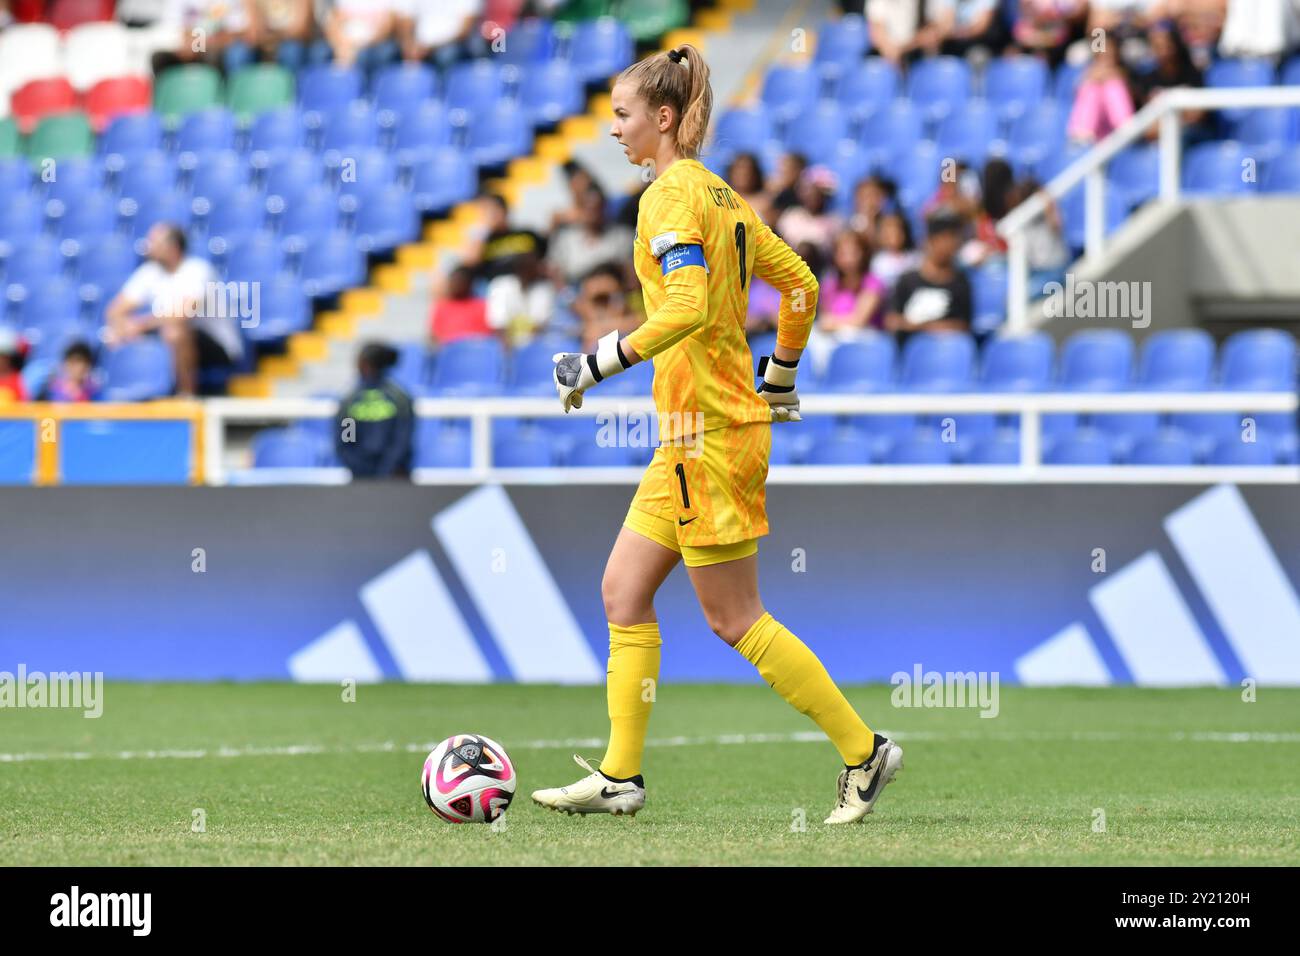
(1103, 102)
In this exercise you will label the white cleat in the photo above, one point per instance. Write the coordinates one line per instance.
(859, 787)
(595, 793)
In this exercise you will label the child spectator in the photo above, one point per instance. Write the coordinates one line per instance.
(75, 380)
(459, 314)
(936, 296)
(873, 197)
(1103, 102)
(812, 220)
(895, 250)
(746, 178)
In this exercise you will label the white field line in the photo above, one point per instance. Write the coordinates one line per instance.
(809, 736)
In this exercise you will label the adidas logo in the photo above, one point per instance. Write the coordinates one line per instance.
(1153, 630)
(423, 629)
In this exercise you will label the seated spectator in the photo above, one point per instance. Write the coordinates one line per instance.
(995, 195)
(282, 30)
(12, 351)
(579, 179)
(872, 198)
(459, 313)
(602, 306)
(521, 303)
(1172, 67)
(959, 191)
(494, 252)
(170, 295)
(1103, 102)
(812, 219)
(578, 248)
(956, 26)
(1259, 28)
(895, 251)
(1124, 17)
(1199, 22)
(362, 33)
(441, 32)
(936, 296)
(746, 177)
(1045, 247)
(75, 379)
(1044, 26)
(218, 32)
(851, 298)
(894, 27)
(783, 185)
(376, 421)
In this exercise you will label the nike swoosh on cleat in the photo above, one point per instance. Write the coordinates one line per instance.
(609, 794)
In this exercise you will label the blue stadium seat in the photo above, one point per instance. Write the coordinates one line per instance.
(550, 91)
(1125, 429)
(1169, 446)
(132, 134)
(1038, 133)
(842, 41)
(139, 370)
(939, 85)
(91, 219)
(743, 128)
(917, 174)
(637, 380)
(1000, 448)
(275, 132)
(385, 220)
(1013, 84)
(349, 129)
(892, 131)
(402, 88)
(526, 448)
(1135, 173)
(817, 131)
(257, 258)
(420, 134)
(1218, 168)
(15, 176)
(412, 368)
(22, 218)
(1065, 83)
(851, 164)
(171, 206)
(33, 262)
(497, 134)
(530, 40)
(789, 91)
(1234, 451)
(842, 447)
(1259, 360)
(989, 292)
(968, 134)
(146, 174)
(236, 218)
(1228, 73)
(862, 365)
(1282, 172)
(920, 448)
(74, 177)
(365, 171)
(293, 173)
(218, 174)
(438, 445)
(105, 266)
(328, 89)
(591, 454)
(1207, 429)
(206, 131)
(52, 301)
(867, 87)
(474, 86)
(283, 309)
(1177, 360)
(331, 263)
(531, 365)
(787, 447)
(1074, 217)
(600, 48)
(1018, 363)
(442, 180)
(1264, 132)
(290, 447)
(469, 367)
(1097, 360)
(938, 362)
(313, 213)
(1086, 446)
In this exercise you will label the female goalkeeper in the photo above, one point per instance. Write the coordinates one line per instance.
(702, 499)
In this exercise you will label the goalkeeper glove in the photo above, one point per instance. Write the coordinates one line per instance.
(778, 388)
(576, 372)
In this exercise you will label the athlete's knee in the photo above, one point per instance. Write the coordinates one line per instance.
(626, 600)
(731, 624)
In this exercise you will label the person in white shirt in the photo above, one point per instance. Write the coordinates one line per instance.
(439, 31)
(894, 27)
(363, 32)
(220, 32)
(521, 303)
(181, 299)
(1260, 28)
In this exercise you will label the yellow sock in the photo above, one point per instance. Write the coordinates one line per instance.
(797, 675)
(631, 681)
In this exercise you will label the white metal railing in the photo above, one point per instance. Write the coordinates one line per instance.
(220, 412)
(1090, 169)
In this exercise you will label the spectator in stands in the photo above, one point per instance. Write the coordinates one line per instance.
(362, 33)
(1124, 17)
(137, 13)
(1044, 26)
(218, 32)
(376, 421)
(783, 186)
(936, 296)
(995, 195)
(812, 219)
(1103, 102)
(12, 351)
(459, 313)
(578, 248)
(957, 26)
(75, 380)
(1045, 246)
(1200, 23)
(1260, 28)
(579, 179)
(746, 178)
(282, 30)
(764, 308)
(441, 32)
(895, 251)
(170, 294)
(602, 306)
(959, 190)
(895, 28)
(1173, 67)
(521, 303)
(872, 198)
(493, 253)
(851, 299)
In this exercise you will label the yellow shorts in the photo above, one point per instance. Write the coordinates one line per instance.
(706, 501)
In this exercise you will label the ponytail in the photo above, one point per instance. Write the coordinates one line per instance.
(678, 78)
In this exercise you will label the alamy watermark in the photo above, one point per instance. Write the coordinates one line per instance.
(1085, 299)
(76, 690)
(946, 689)
(237, 300)
(624, 429)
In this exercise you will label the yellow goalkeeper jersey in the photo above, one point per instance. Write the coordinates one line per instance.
(698, 244)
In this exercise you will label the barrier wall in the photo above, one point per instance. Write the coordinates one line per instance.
(1155, 585)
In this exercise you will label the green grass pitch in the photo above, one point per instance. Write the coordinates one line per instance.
(294, 775)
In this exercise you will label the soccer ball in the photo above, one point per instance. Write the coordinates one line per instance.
(468, 779)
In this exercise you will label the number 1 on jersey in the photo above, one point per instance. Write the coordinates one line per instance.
(740, 252)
